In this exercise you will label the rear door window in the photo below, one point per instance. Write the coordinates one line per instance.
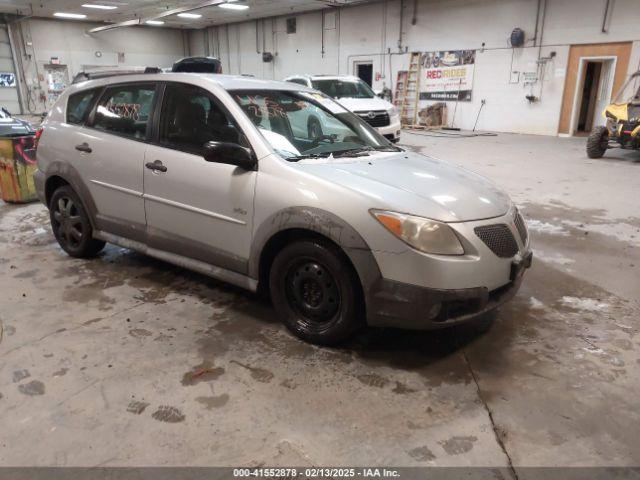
(125, 110)
(79, 105)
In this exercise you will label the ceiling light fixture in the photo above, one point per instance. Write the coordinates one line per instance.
(98, 6)
(69, 15)
(233, 6)
(154, 22)
(189, 15)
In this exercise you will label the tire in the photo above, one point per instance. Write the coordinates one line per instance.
(314, 129)
(316, 292)
(71, 225)
(598, 142)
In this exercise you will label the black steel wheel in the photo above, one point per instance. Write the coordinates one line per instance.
(71, 225)
(598, 142)
(315, 292)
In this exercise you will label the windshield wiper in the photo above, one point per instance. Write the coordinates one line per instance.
(388, 148)
(353, 152)
(309, 155)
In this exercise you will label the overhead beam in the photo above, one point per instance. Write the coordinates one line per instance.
(167, 13)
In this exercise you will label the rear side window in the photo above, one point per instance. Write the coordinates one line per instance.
(125, 110)
(78, 106)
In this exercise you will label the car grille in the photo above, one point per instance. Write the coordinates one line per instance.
(499, 239)
(376, 118)
(522, 228)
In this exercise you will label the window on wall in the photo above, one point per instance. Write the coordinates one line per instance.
(7, 79)
(125, 110)
(291, 25)
(191, 117)
(79, 105)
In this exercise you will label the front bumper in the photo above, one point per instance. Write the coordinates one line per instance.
(391, 131)
(401, 305)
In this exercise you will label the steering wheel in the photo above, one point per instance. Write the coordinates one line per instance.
(322, 138)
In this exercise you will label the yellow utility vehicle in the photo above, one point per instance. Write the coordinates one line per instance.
(623, 121)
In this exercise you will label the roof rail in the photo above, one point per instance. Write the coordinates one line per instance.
(95, 74)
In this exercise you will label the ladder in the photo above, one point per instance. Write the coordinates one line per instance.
(408, 103)
(401, 87)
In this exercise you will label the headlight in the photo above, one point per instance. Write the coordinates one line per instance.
(426, 235)
(393, 112)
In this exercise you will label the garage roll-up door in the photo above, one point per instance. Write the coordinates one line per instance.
(8, 94)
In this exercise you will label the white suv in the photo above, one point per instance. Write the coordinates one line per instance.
(220, 174)
(355, 95)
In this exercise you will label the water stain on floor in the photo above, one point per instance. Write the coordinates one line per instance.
(458, 445)
(20, 375)
(139, 333)
(35, 387)
(213, 402)
(373, 380)
(261, 375)
(422, 454)
(137, 407)
(205, 372)
(402, 389)
(168, 414)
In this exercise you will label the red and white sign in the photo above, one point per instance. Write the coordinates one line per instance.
(447, 75)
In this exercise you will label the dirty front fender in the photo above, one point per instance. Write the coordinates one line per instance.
(323, 223)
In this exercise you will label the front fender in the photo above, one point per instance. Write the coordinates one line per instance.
(326, 224)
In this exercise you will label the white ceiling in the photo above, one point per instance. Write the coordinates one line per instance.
(132, 9)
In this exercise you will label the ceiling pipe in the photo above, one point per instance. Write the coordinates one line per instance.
(400, 30)
(605, 17)
(168, 13)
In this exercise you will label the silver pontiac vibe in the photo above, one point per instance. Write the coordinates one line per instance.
(274, 186)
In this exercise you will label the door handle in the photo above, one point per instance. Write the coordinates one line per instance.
(84, 147)
(156, 166)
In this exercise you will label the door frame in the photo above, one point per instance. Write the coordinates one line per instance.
(357, 63)
(577, 96)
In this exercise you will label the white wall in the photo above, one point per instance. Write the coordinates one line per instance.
(42, 39)
(372, 32)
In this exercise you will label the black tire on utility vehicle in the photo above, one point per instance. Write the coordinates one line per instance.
(316, 292)
(314, 128)
(598, 142)
(71, 225)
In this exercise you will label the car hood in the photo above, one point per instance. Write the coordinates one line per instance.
(415, 184)
(364, 104)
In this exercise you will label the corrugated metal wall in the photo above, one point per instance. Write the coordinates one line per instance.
(8, 95)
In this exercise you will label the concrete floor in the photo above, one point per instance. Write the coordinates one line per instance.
(124, 360)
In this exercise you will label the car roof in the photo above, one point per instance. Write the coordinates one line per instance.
(227, 82)
(351, 78)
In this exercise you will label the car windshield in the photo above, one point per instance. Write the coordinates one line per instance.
(344, 88)
(309, 125)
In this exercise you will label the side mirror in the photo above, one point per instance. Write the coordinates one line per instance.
(229, 153)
